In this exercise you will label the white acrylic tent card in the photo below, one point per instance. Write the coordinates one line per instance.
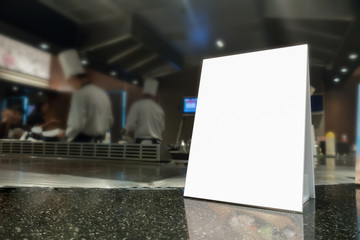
(251, 140)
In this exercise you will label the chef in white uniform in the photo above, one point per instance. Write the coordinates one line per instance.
(90, 115)
(146, 117)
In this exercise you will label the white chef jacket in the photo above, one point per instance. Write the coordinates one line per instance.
(146, 118)
(90, 112)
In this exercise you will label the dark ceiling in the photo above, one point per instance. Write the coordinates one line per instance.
(143, 38)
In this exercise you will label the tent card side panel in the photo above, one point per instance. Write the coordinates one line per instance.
(309, 178)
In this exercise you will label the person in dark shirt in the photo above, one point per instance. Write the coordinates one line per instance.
(36, 117)
(39, 117)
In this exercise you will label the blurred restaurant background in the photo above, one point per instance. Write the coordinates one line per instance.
(122, 43)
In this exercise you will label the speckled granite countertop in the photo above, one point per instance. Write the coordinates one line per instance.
(36, 213)
(43, 213)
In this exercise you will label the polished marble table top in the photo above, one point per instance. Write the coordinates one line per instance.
(163, 213)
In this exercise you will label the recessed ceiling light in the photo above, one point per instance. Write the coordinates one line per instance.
(220, 43)
(135, 82)
(113, 73)
(353, 56)
(40, 93)
(44, 46)
(84, 62)
(344, 70)
(336, 80)
(15, 88)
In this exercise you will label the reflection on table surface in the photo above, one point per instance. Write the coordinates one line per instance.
(213, 220)
(61, 172)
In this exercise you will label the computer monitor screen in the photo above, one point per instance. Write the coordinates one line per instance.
(189, 104)
(317, 103)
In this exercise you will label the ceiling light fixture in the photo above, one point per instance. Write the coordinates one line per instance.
(220, 43)
(113, 73)
(84, 62)
(44, 46)
(336, 80)
(353, 56)
(15, 88)
(40, 93)
(344, 70)
(135, 82)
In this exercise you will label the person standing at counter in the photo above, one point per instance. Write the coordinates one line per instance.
(40, 117)
(6, 115)
(11, 123)
(90, 115)
(145, 119)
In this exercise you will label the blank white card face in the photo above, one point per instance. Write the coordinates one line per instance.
(252, 117)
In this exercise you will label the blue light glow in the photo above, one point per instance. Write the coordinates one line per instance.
(123, 109)
(357, 177)
(199, 35)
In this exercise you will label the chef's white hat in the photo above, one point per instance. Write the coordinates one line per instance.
(312, 90)
(70, 63)
(150, 86)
